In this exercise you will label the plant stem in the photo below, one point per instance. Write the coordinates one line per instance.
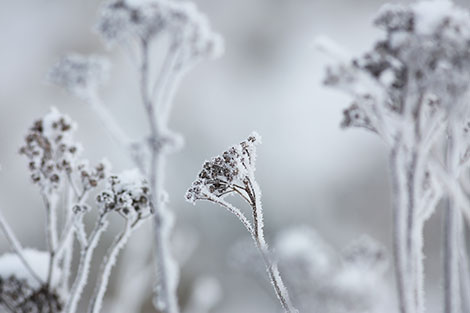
(275, 277)
(51, 232)
(166, 289)
(399, 222)
(452, 221)
(451, 258)
(271, 267)
(84, 265)
(17, 248)
(464, 272)
(105, 271)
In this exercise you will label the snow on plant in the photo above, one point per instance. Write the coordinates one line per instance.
(20, 289)
(412, 90)
(40, 281)
(138, 26)
(234, 173)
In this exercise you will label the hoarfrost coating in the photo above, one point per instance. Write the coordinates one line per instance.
(412, 90)
(10, 265)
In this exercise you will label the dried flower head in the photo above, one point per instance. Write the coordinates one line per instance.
(226, 173)
(50, 148)
(187, 27)
(128, 194)
(20, 291)
(90, 176)
(192, 33)
(426, 47)
(121, 19)
(80, 75)
(424, 58)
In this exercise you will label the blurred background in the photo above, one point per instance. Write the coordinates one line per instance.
(312, 173)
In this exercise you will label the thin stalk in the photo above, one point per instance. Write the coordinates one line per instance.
(399, 222)
(271, 266)
(17, 248)
(464, 271)
(105, 271)
(166, 288)
(258, 236)
(81, 278)
(451, 259)
(414, 235)
(275, 277)
(51, 232)
(452, 220)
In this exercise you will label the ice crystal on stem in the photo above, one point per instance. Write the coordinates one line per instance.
(234, 173)
(412, 90)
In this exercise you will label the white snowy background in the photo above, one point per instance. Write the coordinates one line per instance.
(311, 172)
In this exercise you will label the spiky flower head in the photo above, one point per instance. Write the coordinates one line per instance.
(226, 173)
(422, 63)
(127, 194)
(50, 149)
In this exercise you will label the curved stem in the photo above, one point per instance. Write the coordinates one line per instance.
(105, 272)
(258, 236)
(235, 211)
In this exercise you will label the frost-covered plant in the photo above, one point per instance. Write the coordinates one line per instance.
(56, 167)
(233, 172)
(20, 289)
(412, 90)
(139, 27)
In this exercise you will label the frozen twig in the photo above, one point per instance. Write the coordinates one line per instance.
(87, 248)
(105, 272)
(409, 88)
(233, 172)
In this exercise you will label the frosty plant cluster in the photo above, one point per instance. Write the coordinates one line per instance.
(65, 181)
(412, 90)
(143, 29)
(234, 172)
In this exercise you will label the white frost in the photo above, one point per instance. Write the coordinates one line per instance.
(11, 265)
